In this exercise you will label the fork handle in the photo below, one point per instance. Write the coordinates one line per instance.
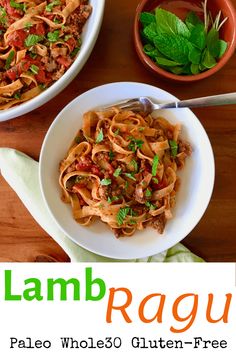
(217, 100)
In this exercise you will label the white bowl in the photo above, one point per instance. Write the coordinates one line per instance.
(89, 37)
(197, 178)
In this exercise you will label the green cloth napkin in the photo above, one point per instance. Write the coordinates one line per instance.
(21, 172)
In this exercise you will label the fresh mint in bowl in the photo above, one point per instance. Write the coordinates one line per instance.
(186, 49)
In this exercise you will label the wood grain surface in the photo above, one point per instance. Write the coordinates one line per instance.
(114, 59)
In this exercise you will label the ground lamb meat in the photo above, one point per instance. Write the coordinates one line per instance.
(158, 223)
(185, 147)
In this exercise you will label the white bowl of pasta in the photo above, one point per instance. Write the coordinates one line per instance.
(43, 46)
(119, 173)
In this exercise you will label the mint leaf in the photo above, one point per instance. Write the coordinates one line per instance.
(131, 176)
(146, 18)
(173, 147)
(111, 155)
(53, 36)
(117, 172)
(169, 23)
(33, 39)
(148, 193)
(173, 47)
(155, 180)
(3, 16)
(155, 163)
(198, 36)
(135, 144)
(50, 6)
(208, 60)
(34, 69)
(223, 46)
(213, 43)
(166, 62)
(105, 182)
(192, 20)
(16, 5)
(117, 132)
(150, 32)
(123, 212)
(100, 137)
(150, 205)
(74, 52)
(151, 51)
(134, 164)
(195, 69)
(194, 55)
(10, 58)
(177, 70)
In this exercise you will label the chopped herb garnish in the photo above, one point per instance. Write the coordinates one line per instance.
(126, 184)
(131, 176)
(111, 155)
(3, 15)
(155, 180)
(77, 139)
(132, 222)
(150, 205)
(53, 36)
(34, 69)
(16, 5)
(134, 164)
(173, 147)
(9, 59)
(135, 144)
(105, 182)
(42, 86)
(78, 179)
(148, 193)
(33, 39)
(141, 129)
(112, 199)
(28, 25)
(101, 205)
(74, 52)
(50, 6)
(155, 163)
(100, 136)
(67, 36)
(117, 132)
(123, 212)
(33, 55)
(133, 213)
(17, 96)
(55, 20)
(117, 172)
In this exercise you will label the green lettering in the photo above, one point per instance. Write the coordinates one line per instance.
(35, 290)
(89, 283)
(8, 294)
(63, 288)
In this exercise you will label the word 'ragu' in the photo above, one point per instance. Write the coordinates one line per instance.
(120, 300)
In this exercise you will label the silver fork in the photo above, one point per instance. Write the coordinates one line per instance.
(146, 104)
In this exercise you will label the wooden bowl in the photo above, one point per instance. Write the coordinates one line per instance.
(227, 33)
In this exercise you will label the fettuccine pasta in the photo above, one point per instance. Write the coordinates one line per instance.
(122, 169)
(39, 40)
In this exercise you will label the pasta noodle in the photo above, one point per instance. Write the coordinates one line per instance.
(122, 169)
(39, 40)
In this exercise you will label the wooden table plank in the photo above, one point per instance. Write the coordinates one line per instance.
(114, 59)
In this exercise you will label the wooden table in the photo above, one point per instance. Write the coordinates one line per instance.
(114, 59)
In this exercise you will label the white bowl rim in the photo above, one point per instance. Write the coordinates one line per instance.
(69, 75)
(207, 197)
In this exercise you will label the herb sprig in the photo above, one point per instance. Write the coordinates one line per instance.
(183, 47)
